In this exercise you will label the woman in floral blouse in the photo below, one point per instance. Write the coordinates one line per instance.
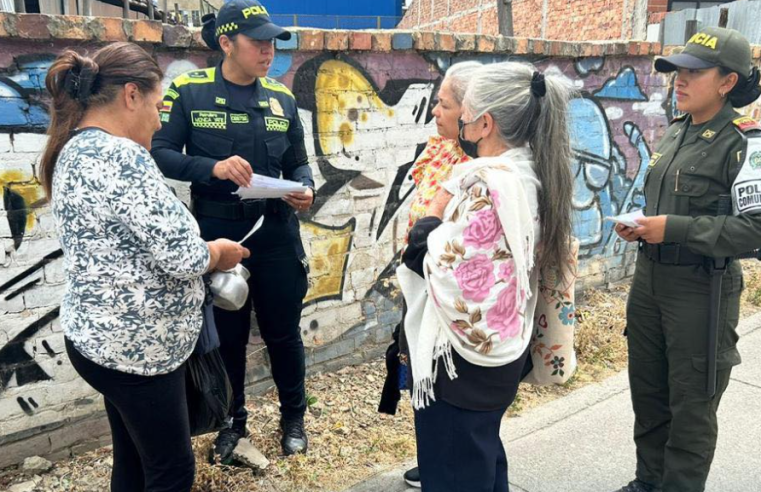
(432, 167)
(470, 272)
(133, 257)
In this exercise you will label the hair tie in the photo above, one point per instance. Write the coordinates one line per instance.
(79, 83)
(538, 86)
(86, 82)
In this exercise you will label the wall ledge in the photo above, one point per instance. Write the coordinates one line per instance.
(43, 27)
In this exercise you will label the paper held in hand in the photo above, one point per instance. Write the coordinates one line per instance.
(629, 220)
(266, 187)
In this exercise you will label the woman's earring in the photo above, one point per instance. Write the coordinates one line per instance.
(722, 94)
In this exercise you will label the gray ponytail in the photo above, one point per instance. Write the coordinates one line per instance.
(523, 116)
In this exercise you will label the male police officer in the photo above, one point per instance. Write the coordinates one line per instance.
(234, 121)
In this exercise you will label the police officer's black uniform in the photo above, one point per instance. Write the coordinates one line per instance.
(207, 117)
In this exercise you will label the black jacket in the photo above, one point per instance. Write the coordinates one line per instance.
(199, 117)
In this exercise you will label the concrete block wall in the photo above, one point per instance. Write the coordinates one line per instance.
(365, 99)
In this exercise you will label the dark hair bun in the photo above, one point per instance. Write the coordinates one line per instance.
(208, 31)
(80, 78)
(746, 91)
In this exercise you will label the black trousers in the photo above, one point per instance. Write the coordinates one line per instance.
(460, 450)
(277, 287)
(149, 423)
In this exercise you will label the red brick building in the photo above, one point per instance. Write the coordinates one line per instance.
(570, 20)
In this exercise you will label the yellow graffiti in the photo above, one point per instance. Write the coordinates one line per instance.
(327, 262)
(346, 104)
(27, 187)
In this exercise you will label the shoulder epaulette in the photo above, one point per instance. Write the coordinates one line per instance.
(746, 124)
(276, 86)
(204, 76)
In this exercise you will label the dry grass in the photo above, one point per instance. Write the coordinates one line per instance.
(349, 440)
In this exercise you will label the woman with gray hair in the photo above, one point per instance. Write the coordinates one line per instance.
(432, 167)
(471, 267)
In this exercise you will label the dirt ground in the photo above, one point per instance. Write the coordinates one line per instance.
(349, 440)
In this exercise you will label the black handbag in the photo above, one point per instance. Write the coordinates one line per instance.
(209, 392)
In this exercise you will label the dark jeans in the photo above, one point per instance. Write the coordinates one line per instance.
(460, 450)
(149, 426)
(277, 287)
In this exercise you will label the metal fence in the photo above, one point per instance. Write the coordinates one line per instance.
(743, 15)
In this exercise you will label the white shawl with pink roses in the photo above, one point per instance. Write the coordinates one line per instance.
(477, 295)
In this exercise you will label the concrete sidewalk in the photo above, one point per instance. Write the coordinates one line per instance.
(583, 442)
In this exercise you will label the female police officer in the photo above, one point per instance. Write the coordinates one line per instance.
(696, 162)
(232, 120)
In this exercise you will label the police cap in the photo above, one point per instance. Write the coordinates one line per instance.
(248, 17)
(711, 47)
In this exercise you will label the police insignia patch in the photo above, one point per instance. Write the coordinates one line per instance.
(276, 124)
(746, 190)
(709, 134)
(746, 124)
(755, 160)
(276, 108)
(654, 159)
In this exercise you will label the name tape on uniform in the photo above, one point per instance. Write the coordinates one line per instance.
(746, 190)
(209, 119)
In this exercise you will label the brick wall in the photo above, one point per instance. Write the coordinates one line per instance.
(465, 16)
(564, 19)
(365, 101)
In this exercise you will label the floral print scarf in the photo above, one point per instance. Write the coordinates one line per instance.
(477, 295)
(432, 168)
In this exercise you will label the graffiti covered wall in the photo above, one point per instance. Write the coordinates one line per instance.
(367, 113)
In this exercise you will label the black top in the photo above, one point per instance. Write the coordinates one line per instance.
(240, 95)
(475, 388)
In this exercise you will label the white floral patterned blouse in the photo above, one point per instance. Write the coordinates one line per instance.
(133, 257)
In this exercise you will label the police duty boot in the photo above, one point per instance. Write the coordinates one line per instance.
(294, 437)
(226, 442)
(638, 485)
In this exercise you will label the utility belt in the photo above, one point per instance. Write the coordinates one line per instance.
(671, 254)
(242, 209)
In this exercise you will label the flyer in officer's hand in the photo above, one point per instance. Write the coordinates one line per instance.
(629, 220)
(266, 187)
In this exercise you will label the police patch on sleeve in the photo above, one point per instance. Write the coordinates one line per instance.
(746, 190)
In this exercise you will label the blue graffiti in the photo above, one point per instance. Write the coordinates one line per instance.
(280, 65)
(602, 187)
(20, 91)
(623, 87)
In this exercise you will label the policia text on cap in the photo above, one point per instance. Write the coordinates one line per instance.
(233, 121)
(706, 155)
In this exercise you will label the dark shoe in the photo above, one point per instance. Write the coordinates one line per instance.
(225, 444)
(294, 437)
(639, 486)
(412, 477)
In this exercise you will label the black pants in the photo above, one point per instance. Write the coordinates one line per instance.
(460, 450)
(277, 287)
(149, 423)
